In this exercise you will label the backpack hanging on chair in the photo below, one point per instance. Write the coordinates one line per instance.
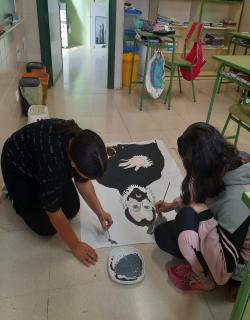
(195, 55)
(155, 75)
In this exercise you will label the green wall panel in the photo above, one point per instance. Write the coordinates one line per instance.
(79, 16)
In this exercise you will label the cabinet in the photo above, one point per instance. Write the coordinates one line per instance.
(213, 13)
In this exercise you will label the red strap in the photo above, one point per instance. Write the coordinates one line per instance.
(200, 27)
(191, 31)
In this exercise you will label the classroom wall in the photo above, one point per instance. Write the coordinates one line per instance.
(179, 10)
(11, 66)
(33, 50)
(79, 16)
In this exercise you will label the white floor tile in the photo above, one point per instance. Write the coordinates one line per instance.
(24, 263)
(40, 275)
(30, 306)
(154, 298)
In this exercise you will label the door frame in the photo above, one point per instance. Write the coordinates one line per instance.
(111, 43)
(44, 33)
(45, 41)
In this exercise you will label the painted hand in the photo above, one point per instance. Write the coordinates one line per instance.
(106, 220)
(162, 206)
(136, 162)
(85, 254)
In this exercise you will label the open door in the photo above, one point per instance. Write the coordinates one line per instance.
(98, 21)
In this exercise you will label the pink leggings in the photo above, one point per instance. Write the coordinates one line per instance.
(197, 239)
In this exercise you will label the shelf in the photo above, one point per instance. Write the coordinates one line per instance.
(179, 27)
(207, 47)
(9, 29)
(220, 28)
(206, 27)
(224, 1)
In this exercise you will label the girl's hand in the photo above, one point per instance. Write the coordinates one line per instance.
(85, 254)
(105, 220)
(178, 204)
(162, 206)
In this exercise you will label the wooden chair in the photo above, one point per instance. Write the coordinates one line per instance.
(239, 113)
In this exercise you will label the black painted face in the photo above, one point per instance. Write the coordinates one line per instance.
(140, 210)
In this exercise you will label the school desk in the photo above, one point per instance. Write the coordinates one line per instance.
(240, 63)
(241, 39)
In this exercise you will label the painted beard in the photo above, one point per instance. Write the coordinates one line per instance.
(142, 223)
(139, 206)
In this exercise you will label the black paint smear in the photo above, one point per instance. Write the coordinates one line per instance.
(128, 268)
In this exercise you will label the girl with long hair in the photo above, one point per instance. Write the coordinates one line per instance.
(211, 228)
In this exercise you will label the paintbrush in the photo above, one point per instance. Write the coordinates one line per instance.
(166, 192)
(106, 231)
(151, 228)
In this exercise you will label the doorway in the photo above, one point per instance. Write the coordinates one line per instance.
(84, 40)
(83, 27)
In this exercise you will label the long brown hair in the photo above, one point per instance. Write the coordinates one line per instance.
(206, 156)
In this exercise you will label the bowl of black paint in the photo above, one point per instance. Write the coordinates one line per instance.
(126, 265)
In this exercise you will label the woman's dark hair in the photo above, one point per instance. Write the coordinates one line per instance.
(66, 127)
(206, 156)
(87, 149)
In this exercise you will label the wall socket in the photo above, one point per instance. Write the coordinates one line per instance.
(17, 96)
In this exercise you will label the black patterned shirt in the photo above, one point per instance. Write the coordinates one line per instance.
(37, 152)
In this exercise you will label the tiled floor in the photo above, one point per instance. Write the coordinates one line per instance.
(39, 278)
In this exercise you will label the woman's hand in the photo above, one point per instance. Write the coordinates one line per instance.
(162, 206)
(85, 254)
(105, 220)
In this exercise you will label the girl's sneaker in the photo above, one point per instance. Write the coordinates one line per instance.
(183, 277)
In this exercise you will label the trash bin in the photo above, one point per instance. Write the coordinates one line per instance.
(36, 66)
(31, 93)
(130, 18)
(44, 79)
(126, 68)
(37, 113)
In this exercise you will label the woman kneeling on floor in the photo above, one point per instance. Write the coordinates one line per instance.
(38, 164)
(211, 229)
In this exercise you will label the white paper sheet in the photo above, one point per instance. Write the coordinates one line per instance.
(123, 231)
